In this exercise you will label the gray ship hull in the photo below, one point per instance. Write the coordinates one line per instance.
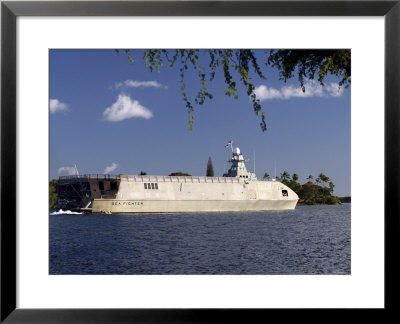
(167, 194)
(188, 206)
(158, 194)
(238, 190)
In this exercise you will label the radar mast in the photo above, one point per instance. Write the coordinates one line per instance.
(238, 168)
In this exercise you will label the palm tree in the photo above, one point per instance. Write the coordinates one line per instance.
(295, 177)
(324, 178)
(266, 176)
(310, 177)
(331, 186)
(285, 176)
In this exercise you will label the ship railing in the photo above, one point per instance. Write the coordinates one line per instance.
(157, 178)
(90, 176)
(72, 177)
(187, 179)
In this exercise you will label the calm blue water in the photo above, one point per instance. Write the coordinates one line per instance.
(308, 240)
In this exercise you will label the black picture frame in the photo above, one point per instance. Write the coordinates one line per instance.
(10, 10)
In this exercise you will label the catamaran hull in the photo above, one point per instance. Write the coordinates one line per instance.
(238, 190)
(165, 194)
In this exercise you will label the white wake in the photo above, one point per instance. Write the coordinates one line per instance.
(65, 212)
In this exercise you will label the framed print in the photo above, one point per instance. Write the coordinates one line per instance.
(132, 268)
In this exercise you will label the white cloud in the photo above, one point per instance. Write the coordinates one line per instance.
(110, 168)
(140, 84)
(263, 93)
(125, 108)
(67, 171)
(313, 89)
(56, 105)
(334, 90)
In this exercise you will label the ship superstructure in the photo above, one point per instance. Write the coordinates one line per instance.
(238, 167)
(237, 190)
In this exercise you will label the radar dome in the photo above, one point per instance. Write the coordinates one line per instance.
(236, 150)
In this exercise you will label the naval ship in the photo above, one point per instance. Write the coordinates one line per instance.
(237, 190)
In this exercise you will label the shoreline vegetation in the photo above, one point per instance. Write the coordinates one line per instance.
(318, 192)
(53, 194)
(345, 200)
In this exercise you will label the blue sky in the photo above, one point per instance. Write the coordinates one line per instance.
(109, 115)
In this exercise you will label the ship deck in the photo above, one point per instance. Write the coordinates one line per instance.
(158, 178)
(190, 179)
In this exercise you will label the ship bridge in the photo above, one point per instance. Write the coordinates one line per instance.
(238, 168)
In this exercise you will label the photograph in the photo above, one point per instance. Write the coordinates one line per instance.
(186, 161)
(222, 161)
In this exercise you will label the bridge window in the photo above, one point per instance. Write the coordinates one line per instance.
(150, 185)
(285, 193)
